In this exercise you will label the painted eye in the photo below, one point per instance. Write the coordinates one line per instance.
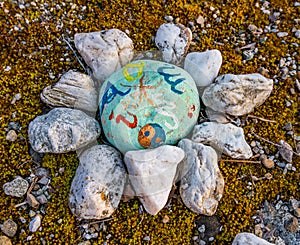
(147, 133)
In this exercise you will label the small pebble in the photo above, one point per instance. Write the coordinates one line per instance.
(31, 200)
(42, 199)
(166, 219)
(200, 21)
(258, 231)
(146, 238)
(35, 223)
(282, 34)
(11, 136)
(169, 18)
(9, 228)
(268, 163)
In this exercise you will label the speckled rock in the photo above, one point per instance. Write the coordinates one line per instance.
(4, 240)
(98, 184)
(202, 186)
(35, 223)
(226, 138)
(9, 228)
(237, 94)
(104, 51)
(17, 187)
(173, 40)
(246, 238)
(203, 67)
(147, 104)
(74, 90)
(62, 130)
(11, 135)
(152, 173)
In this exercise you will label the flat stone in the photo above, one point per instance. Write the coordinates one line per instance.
(226, 138)
(201, 188)
(237, 95)
(148, 103)
(98, 184)
(203, 67)
(42, 199)
(4, 240)
(104, 51)
(246, 238)
(17, 187)
(286, 151)
(9, 228)
(152, 174)
(73, 90)
(173, 40)
(62, 130)
(35, 223)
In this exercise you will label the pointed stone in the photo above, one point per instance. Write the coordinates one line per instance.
(246, 238)
(201, 188)
(98, 184)
(226, 138)
(152, 173)
(203, 67)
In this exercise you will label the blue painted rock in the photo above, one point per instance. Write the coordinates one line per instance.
(147, 104)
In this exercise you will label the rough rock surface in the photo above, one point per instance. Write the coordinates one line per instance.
(237, 94)
(9, 228)
(227, 138)
(98, 184)
(173, 40)
(152, 173)
(17, 187)
(104, 51)
(4, 240)
(203, 67)
(74, 90)
(202, 187)
(62, 130)
(246, 238)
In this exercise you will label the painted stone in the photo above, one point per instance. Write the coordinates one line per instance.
(147, 104)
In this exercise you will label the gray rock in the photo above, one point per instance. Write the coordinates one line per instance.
(173, 40)
(73, 90)
(98, 184)
(152, 174)
(286, 151)
(237, 95)
(4, 240)
(202, 187)
(35, 223)
(42, 199)
(9, 228)
(62, 130)
(246, 238)
(17, 188)
(104, 51)
(226, 138)
(203, 67)
(215, 116)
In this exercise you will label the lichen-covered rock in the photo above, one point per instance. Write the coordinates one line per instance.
(9, 228)
(226, 138)
(237, 94)
(152, 173)
(246, 238)
(104, 51)
(203, 67)
(98, 184)
(62, 130)
(74, 90)
(201, 188)
(17, 187)
(173, 40)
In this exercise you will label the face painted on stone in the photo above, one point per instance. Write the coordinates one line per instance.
(151, 135)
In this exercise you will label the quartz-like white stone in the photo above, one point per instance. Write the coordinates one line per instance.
(201, 188)
(246, 238)
(152, 173)
(74, 90)
(62, 130)
(35, 223)
(226, 138)
(104, 51)
(98, 184)
(237, 94)
(173, 40)
(203, 67)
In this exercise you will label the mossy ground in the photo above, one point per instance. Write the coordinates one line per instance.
(31, 43)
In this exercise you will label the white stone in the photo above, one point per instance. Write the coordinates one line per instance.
(246, 238)
(226, 138)
(216, 116)
(74, 90)
(104, 51)
(35, 223)
(203, 67)
(202, 186)
(98, 184)
(62, 130)
(173, 40)
(17, 187)
(152, 173)
(237, 95)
